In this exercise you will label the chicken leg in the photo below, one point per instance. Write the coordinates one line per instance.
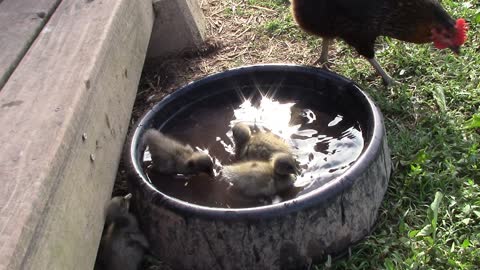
(323, 60)
(387, 80)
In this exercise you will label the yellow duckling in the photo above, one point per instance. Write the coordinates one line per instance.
(123, 244)
(257, 146)
(262, 178)
(171, 157)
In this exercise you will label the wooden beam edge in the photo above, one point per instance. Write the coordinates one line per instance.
(56, 223)
(11, 54)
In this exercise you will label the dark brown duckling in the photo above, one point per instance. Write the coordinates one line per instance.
(123, 245)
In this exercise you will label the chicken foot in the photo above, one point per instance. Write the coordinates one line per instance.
(387, 80)
(323, 60)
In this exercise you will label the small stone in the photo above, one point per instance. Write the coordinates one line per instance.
(92, 157)
(84, 136)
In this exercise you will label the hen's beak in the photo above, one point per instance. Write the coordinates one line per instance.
(455, 49)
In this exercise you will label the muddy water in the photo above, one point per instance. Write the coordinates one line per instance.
(325, 142)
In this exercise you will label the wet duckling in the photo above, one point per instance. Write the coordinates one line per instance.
(123, 244)
(171, 157)
(262, 178)
(256, 146)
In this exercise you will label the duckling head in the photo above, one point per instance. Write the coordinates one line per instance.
(241, 134)
(118, 206)
(200, 162)
(284, 164)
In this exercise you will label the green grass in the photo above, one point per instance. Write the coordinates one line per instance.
(430, 218)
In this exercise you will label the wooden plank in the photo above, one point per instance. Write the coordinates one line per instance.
(79, 77)
(20, 23)
(182, 21)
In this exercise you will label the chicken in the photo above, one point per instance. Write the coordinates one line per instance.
(171, 157)
(257, 146)
(359, 23)
(262, 178)
(123, 244)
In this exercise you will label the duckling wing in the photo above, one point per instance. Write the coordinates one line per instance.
(127, 246)
(160, 146)
(168, 154)
(125, 256)
(174, 147)
(133, 233)
(115, 251)
(251, 178)
(263, 145)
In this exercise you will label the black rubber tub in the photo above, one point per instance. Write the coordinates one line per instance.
(321, 219)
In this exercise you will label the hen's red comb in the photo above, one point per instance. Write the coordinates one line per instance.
(462, 28)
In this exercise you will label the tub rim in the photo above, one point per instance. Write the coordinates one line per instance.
(310, 199)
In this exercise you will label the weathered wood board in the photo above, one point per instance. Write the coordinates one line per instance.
(64, 114)
(20, 23)
(179, 25)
